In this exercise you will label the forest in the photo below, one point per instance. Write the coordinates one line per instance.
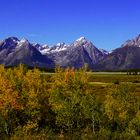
(65, 105)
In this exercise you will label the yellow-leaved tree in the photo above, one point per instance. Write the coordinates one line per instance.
(121, 105)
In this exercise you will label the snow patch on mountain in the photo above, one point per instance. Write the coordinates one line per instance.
(104, 51)
(81, 39)
(45, 49)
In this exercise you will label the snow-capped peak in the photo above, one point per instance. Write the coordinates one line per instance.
(45, 46)
(81, 39)
(23, 40)
(134, 42)
(60, 44)
(44, 49)
(59, 47)
(11, 39)
(37, 46)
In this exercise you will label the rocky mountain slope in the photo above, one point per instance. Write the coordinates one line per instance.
(76, 54)
(14, 51)
(123, 58)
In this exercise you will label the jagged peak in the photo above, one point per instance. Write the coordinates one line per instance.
(14, 39)
(45, 46)
(81, 39)
(60, 44)
(132, 42)
(24, 40)
(83, 42)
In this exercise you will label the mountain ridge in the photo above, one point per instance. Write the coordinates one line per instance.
(14, 51)
(123, 58)
(76, 54)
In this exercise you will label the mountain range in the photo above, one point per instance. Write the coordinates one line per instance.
(14, 51)
(123, 58)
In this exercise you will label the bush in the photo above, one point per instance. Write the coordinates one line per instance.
(64, 106)
(116, 82)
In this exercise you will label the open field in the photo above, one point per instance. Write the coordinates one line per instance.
(109, 77)
(101, 82)
(107, 73)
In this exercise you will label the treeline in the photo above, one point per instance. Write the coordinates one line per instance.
(32, 107)
(42, 69)
(125, 70)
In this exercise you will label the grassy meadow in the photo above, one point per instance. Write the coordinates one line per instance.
(102, 81)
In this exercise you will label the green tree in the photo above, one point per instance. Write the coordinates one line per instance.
(68, 88)
(92, 111)
(121, 106)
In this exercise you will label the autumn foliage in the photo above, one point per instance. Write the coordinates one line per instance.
(64, 106)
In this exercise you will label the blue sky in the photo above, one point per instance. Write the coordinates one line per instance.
(107, 23)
